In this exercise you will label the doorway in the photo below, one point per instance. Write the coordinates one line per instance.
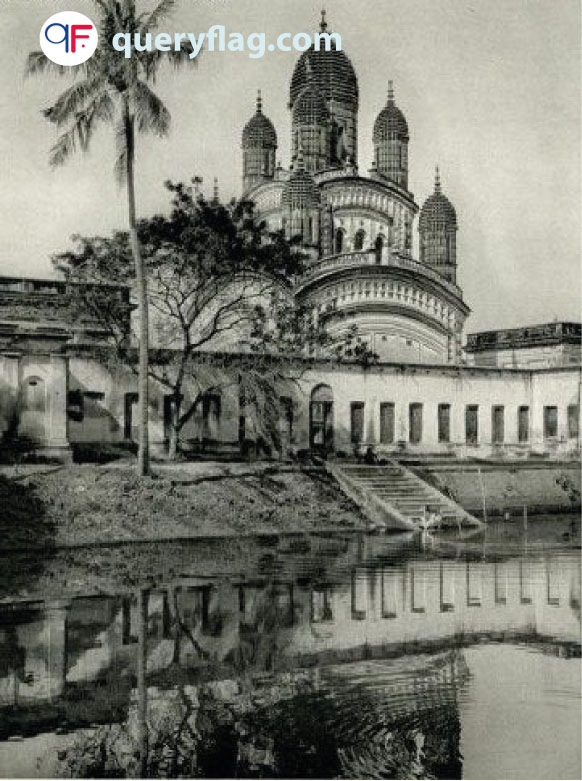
(321, 433)
(33, 410)
(130, 417)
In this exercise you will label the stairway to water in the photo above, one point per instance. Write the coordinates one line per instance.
(395, 497)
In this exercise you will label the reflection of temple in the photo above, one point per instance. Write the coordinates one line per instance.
(374, 608)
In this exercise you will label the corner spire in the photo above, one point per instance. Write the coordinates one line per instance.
(390, 91)
(259, 102)
(323, 23)
(437, 180)
(215, 190)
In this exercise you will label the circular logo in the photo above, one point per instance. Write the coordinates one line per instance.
(68, 38)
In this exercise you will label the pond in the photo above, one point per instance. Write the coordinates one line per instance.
(300, 656)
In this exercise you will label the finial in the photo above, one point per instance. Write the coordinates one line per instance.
(390, 91)
(215, 190)
(323, 23)
(437, 180)
(259, 102)
(197, 181)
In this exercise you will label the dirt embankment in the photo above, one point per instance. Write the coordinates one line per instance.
(547, 488)
(87, 505)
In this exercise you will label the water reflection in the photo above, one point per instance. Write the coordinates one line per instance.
(292, 657)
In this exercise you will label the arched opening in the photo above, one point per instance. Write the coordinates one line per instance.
(339, 241)
(359, 239)
(321, 419)
(33, 409)
(378, 247)
(33, 396)
(390, 231)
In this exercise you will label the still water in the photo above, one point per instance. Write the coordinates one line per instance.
(303, 656)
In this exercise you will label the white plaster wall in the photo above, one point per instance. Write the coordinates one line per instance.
(559, 388)
(433, 386)
(89, 375)
(399, 384)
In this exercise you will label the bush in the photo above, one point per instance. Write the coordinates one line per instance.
(101, 452)
(20, 449)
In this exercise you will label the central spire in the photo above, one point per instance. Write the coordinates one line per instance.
(390, 91)
(323, 23)
(259, 102)
(437, 180)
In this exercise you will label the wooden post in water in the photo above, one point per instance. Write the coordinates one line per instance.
(482, 494)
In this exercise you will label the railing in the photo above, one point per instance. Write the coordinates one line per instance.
(522, 337)
(369, 258)
(57, 287)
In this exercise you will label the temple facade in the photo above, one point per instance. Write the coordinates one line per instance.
(358, 228)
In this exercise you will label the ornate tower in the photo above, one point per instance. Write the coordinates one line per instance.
(437, 228)
(300, 202)
(259, 144)
(390, 140)
(333, 75)
(311, 127)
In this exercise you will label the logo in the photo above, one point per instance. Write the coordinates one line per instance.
(68, 38)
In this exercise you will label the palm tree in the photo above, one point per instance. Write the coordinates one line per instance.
(109, 88)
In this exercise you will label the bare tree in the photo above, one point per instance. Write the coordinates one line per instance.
(222, 306)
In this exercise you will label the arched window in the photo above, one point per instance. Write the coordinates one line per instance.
(359, 240)
(390, 231)
(378, 247)
(339, 240)
(33, 395)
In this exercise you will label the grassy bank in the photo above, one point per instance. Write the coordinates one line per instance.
(505, 489)
(86, 505)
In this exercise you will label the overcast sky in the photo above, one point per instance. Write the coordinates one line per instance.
(490, 88)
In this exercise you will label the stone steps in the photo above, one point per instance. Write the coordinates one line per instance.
(404, 495)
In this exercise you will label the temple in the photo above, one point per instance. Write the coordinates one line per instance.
(433, 390)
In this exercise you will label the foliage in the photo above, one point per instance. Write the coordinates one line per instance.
(105, 79)
(220, 287)
(110, 89)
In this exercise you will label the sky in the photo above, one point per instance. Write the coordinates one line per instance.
(490, 88)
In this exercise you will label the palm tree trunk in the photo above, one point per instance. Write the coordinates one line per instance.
(143, 454)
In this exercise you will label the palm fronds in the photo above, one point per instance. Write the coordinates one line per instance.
(150, 112)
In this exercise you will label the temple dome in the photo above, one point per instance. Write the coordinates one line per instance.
(437, 211)
(332, 71)
(300, 190)
(259, 130)
(390, 122)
